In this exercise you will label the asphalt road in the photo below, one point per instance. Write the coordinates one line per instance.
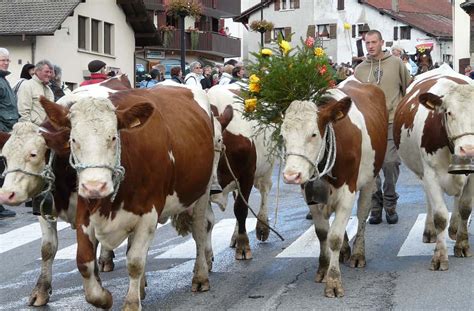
(279, 277)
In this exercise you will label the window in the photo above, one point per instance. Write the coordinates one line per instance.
(95, 25)
(327, 31)
(286, 4)
(278, 31)
(405, 32)
(108, 35)
(340, 5)
(354, 28)
(82, 32)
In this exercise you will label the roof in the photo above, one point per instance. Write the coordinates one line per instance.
(244, 16)
(430, 16)
(34, 17)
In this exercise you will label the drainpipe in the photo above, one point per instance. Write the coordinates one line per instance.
(395, 6)
(33, 49)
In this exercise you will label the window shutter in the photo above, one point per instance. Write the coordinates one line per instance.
(288, 33)
(268, 36)
(395, 33)
(409, 33)
(354, 31)
(296, 4)
(277, 5)
(311, 31)
(340, 5)
(332, 31)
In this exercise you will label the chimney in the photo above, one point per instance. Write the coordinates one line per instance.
(395, 6)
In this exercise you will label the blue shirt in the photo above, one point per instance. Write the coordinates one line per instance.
(147, 84)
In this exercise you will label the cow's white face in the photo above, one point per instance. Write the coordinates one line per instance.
(94, 143)
(457, 106)
(302, 141)
(25, 150)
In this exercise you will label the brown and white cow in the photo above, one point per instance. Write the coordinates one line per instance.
(434, 125)
(359, 117)
(27, 156)
(251, 163)
(163, 141)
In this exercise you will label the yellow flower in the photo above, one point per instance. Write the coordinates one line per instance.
(347, 26)
(319, 52)
(254, 87)
(285, 46)
(254, 79)
(250, 104)
(266, 52)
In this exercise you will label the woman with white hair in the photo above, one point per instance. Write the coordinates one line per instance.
(8, 110)
(194, 77)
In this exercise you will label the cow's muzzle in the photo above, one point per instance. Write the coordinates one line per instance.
(461, 165)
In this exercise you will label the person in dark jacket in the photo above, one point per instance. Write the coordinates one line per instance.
(27, 73)
(97, 70)
(206, 82)
(8, 111)
(176, 74)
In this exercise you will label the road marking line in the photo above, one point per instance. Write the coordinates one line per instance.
(221, 235)
(24, 235)
(307, 245)
(70, 251)
(414, 246)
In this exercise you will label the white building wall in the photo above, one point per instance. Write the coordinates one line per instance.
(20, 54)
(461, 34)
(62, 48)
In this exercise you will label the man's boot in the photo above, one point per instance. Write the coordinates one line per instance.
(391, 215)
(375, 216)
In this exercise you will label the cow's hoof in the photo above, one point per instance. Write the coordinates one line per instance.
(462, 249)
(131, 306)
(438, 264)
(103, 301)
(429, 236)
(333, 288)
(200, 285)
(262, 231)
(39, 296)
(321, 275)
(452, 232)
(345, 253)
(243, 253)
(106, 265)
(357, 261)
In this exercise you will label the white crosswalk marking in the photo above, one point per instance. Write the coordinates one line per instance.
(24, 235)
(414, 246)
(70, 251)
(307, 245)
(221, 234)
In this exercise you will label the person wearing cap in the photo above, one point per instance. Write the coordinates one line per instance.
(360, 48)
(97, 70)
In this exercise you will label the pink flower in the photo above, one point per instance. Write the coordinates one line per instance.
(323, 70)
(309, 42)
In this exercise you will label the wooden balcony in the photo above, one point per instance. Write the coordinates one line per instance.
(214, 8)
(207, 43)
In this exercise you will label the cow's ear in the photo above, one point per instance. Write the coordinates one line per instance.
(57, 114)
(430, 100)
(226, 116)
(340, 109)
(57, 140)
(135, 116)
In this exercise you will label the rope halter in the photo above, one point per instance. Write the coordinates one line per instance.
(329, 146)
(118, 171)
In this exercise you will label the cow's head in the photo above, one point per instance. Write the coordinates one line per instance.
(94, 124)
(456, 105)
(303, 129)
(25, 157)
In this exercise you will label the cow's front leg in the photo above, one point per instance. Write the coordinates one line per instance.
(242, 247)
(335, 239)
(200, 280)
(136, 259)
(49, 246)
(363, 208)
(106, 259)
(264, 185)
(321, 226)
(440, 220)
(86, 259)
(210, 219)
(455, 220)
(429, 233)
(461, 248)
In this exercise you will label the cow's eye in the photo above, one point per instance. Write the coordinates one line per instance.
(448, 113)
(114, 138)
(33, 154)
(314, 135)
(73, 140)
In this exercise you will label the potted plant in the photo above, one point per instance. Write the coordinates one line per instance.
(183, 8)
(167, 34)
(261, 26)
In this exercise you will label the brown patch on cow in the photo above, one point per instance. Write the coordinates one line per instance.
(226, 116)
(117, 83)
(434, 133)
(46, 251)
(3, 138)
(57, 114)
(335, 243)
(440, 222)
(236, 92)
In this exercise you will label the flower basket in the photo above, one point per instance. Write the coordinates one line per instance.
(261, 26)
(167, 35)
(194, 34)
(281, 75)
(183, 8)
